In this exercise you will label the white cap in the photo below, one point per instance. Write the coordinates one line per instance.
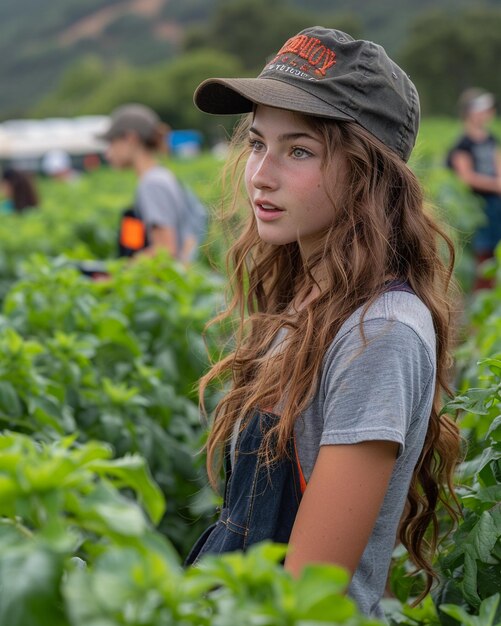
(482, 103)
(55, 162)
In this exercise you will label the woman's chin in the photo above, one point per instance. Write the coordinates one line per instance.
(275, 239)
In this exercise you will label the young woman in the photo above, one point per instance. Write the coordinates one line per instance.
(476, 159)
(163, 215)
(330, 430)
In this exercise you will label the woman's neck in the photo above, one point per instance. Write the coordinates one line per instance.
(301, 301)
(143, 162)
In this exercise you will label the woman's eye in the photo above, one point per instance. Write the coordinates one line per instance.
(255, 144)
(300, 153)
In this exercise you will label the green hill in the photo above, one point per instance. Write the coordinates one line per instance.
(40, 39)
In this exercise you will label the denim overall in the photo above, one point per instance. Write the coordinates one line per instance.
(260, 502)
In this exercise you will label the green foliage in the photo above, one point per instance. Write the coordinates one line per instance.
(80, 220)
(399, 612)
(478, 358)
(460, 213)
(50, 486)
(469, 561)
(116, 361)
(166, 87)
(451, 202)
(74, 551)
(188, 11)
(471, 566)
(445, 54)
(30, 54)
(83, 78)
(486, 617)
(61, 509)
(173, 85)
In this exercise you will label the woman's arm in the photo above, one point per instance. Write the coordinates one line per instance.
(162, 237)
(341, 504)
(463, 165)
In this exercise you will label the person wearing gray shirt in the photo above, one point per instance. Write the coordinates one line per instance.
(161, 205)
(165, 213)
(383, 391)
(330, 432)
(378, 386)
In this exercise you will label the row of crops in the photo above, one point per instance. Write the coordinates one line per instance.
(102, 486)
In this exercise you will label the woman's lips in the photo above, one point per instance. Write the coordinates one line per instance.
(267, 212)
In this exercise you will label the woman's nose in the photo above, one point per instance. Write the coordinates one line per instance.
(264, 176)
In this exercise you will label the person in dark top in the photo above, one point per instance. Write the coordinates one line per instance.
(19, 191)
(476, 159)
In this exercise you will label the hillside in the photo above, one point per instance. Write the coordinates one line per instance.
(39, 39)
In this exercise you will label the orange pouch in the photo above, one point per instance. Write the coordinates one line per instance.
(133, 233)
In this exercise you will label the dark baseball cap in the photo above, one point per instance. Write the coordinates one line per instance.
(327, 73)
(132, 118)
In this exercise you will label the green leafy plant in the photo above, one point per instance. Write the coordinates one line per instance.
(75, 551)
(471, 563)
(115, 361)
(487, 616)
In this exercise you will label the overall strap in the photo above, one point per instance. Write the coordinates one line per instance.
(261, 500)
(399, 285)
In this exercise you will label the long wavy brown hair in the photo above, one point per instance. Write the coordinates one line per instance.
(380, 230)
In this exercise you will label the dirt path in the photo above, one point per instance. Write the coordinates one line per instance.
(94, 24)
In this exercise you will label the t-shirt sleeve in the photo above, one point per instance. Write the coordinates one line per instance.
(464, 145)
(157, 203)
(372, 392)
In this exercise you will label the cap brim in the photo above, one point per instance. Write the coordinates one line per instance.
(107, 136)
(230, 96)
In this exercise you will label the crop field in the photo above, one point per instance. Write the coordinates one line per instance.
(102, 482)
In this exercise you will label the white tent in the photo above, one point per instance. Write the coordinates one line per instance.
(31, 139)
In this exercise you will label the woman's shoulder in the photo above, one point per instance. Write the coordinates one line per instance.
(400, 315)
(157, 176)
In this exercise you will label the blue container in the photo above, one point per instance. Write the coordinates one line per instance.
(185, 143)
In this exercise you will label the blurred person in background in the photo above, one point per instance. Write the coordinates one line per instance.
(57, 164)
(476, 159)
(18, 190)
(165, 213)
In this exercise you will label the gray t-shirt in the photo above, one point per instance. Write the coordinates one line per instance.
(381, 391)
(161, 201)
